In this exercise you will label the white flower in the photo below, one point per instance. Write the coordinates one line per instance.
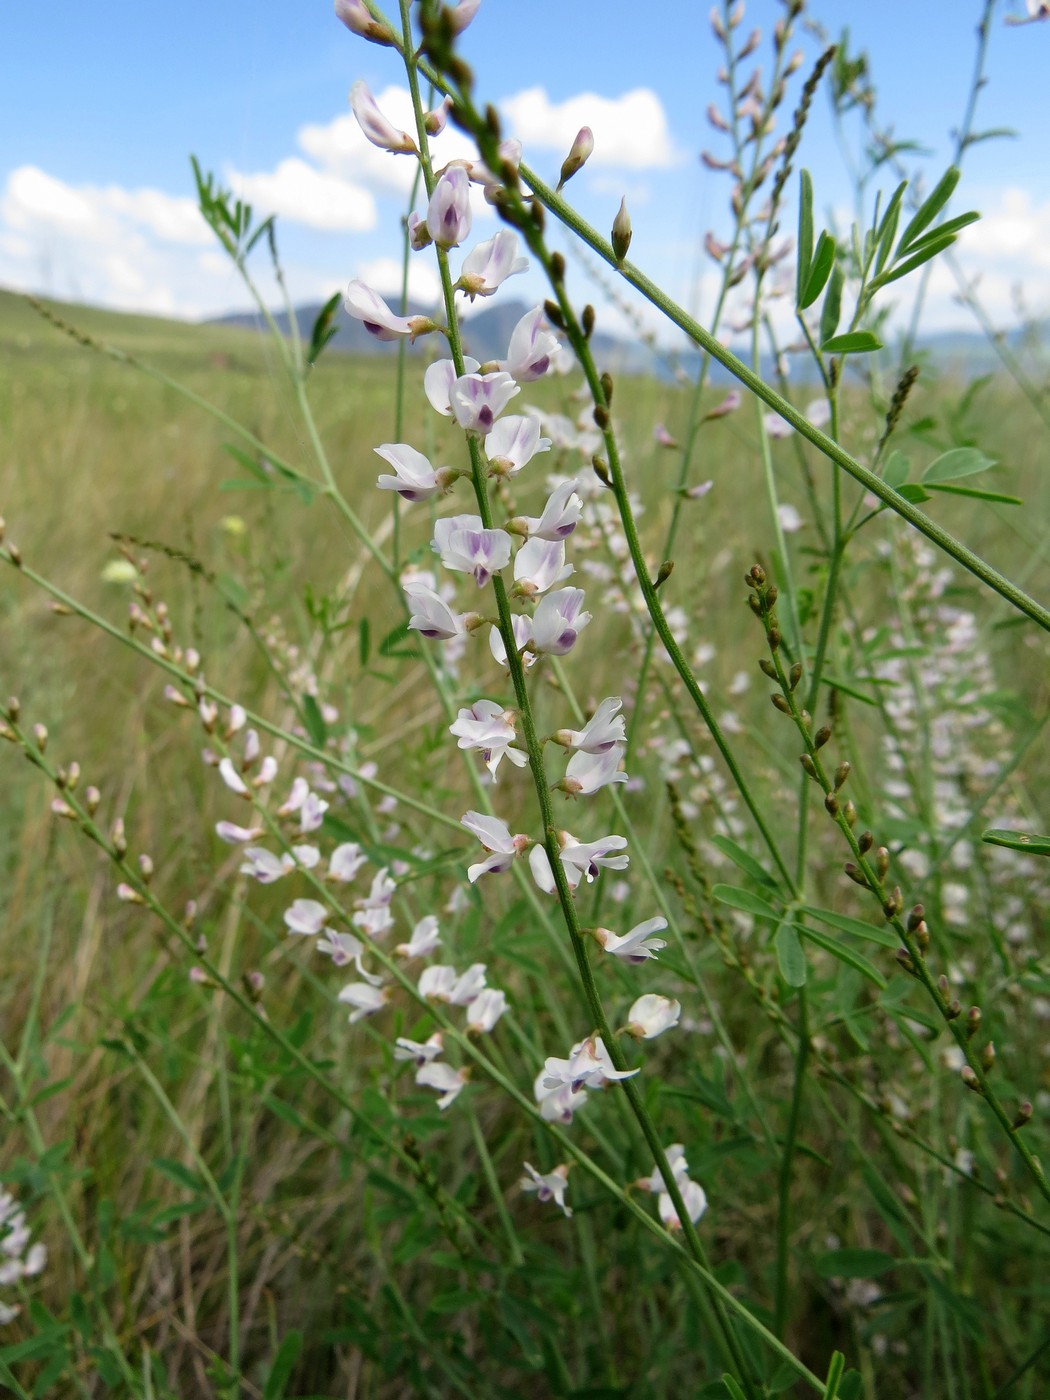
(559, 518)
(414, 478)
(431, 616)
(368, 307)
(264, 866)
(532, 344)
(602, 731)
(298, 795)
(233, 834)
(425, 938)
(306, 856)
(558, 1105)
(485, 1010)
(364, 998)
(342, 948)
(448, 1081)
(522, 626)
(488, 266)
(558, 621)
(651, 1015)
(477, 400)
(466, 546)
(344, 862)
(694, 1199)
(486, 727)
(232, 778)
(311, 814)
(448, 212)
(550, 1186)
(375, 126)
(676, 1160)
(587, 772)
(589, 1066)
(470, 985)
(437, 982)
(636, 946)
(513, 443)
(495, 837)
(421, 1053)
(539, 565)
(438, 380)
(306, 916)
(579, 858)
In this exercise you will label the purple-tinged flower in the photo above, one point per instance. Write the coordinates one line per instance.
(487, 727)
(449, 1082)
(381, 893)
(297, 796)
(558, 622)
(375, 126)
(663, 438)
(437, 118)
(306, 856)
(513, 443)
(466, 546)
(522, 626)
(425, 938)
(586, 772)
(487, 267)
(431, 616)
(1037, 10)
(357, 19)
(418, 233)
(306, 916)
(532, 345)
(234, 834)
(436, 982)
(470, 985)
(342, 948)
(264, 866)
(589, 857)
(557, 1105)
(589, 1066)
(232, 778)
(477, 400)
(549, 1186)
(374, 920)
(538, 565)
(414, 479)
(634, 947)
(371, 310)
(448, 213)
(676, 1160)
(459, 16)
(603, 731)
(651, 1015)
(364, 998)
(311, 814)
(485, 1010)
(419, 1052)
(694, 1199)
(438, 380)
(729, 404)
(560, 516)
(344, 862)
(495, 837)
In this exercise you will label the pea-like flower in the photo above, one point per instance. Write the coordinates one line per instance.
(580, 859)
(477, 400)
(414, 478)
(495, 837)
(513, 443)
(558, 621)
(694, 1199)
(538, 565)
(487, 267)
(638, 945)
(549, 1186)
(533, 345)
(375, 126)
(419, 1052)
(306, 916)
(365, 999)
(431, 616)
(488, 727)
(651, 1015)
(589, 772)
(465, 545)
(560, 516)
(368, 307)
(448, 213)
(425, 938)
(603, 731)
(447, 1081)
(438, 380)
(485, 1010)
(522, 626)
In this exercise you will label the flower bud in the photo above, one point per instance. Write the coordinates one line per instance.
(1024, 1115)
(146, 868)
(621, 232)
(969, 1078)
(119, 839)
(973, 1022)
(579, 153)
(40, 735)
(92, 798)
(355, 16)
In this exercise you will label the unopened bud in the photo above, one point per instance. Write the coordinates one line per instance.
(850, 813)
(753, 41)
(129, 895)
(601, 417)
(973, 1022)
(1024, 1115)
(808, 765)
(969, 1078)
(15, 555)
(621, 232)
(60, 609)
(821, 737)
(92, 798)
(606, 382)
(953, 1010)
(73, 776)
(772, 594)
(831, 804)
(921, 934)
(893, 904)
(254, 983)
(119, 839)
(795, 675)
(663, 573)
(14, 708)
(841, 774)
(988, 1057)
(62, 809)
(146, 868)
(601, 470)
(856, 874)
(773, 638)
(882, 862)
(357, 19)
(40, 735)
(904, 959)
(587, 321)
(865, 841)
(916, 917)
(779, 703)
(557, 267)
(579, 153)
(768, 668)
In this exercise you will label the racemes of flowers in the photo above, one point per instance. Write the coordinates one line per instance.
(517, 573)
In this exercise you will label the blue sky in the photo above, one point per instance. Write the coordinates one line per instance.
(101, 105)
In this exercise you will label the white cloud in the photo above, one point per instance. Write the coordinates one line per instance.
(1015, 234)
(384, 275)
(297, 192)
(630, 132)
(33, 200)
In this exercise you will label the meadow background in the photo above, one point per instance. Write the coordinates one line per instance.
(192, 1182)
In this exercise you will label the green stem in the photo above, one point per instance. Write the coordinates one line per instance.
(787, 1163)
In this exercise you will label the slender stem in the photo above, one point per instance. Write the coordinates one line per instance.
(787, 1163)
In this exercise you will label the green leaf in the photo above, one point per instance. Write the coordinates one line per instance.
(791, 959)
(1026, 841)
(895, 472)
(852, 343)
(315, 723)
(951, 226)
(847, 689)
(960, 461)
(389, 646)
(857, 927)
(994, 497)
(283, 1364)
(929, 209)
(805, 233)
(744, 860)
(325, 327)
(176, 1172)
(364, 641)
(835, 1368)
(923, 255)
(832, 309)
(731, 1386)
(845, 954)
(913, 492)
(745, 900)
(852, 1386)
(853, 1263)
(888, 227)
(819, 271)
